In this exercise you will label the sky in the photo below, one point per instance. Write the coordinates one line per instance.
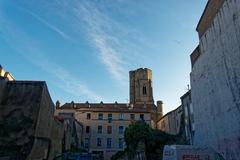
(84, 49)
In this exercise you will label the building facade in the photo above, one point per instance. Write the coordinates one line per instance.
(7, 75)
(215, 79)
(76, 128)
(188, 115)
(171, 122)
(104, 123)
(141, 86)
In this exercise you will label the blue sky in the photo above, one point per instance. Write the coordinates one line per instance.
(84, 49)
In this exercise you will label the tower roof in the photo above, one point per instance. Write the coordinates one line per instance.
(139, 69)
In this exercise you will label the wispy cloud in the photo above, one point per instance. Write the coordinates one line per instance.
(102, 32)
(27, 47)
(118, 47)
(49, 25)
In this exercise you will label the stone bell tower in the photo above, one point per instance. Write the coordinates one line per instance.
(141, 86)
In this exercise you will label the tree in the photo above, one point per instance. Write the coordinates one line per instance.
(153, 140)
(136, 132)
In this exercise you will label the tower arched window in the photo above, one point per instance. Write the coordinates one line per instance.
(144, 90)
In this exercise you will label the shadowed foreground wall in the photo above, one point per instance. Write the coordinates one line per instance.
(26, 122)
(215, 83)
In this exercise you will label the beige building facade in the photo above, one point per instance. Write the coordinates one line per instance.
(171, 122)
(104, 123)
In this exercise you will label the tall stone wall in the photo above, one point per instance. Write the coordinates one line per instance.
(215, 83)
(27, 127)
(19, 107)
(43, 143)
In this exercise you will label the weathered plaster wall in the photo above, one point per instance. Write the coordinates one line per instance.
(57, 133)
(27, 127)
(171, 122)
(215, 83)
(43, 143)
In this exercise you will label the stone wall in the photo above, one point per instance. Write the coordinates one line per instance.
(28, 130)
(215, 83)
(195, 55)
(138, 79)
(171, 122)
(188, 115)
(44, 126)
(19, 105)
(60, 138)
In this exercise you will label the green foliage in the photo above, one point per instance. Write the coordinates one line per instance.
(118, 155)
(153, 139)
(75, 149)
(154, 147)
(136, 132)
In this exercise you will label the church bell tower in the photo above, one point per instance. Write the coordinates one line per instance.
(141, 86)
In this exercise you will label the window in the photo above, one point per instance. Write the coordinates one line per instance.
(144, 90)
(120, 129)
(120, 143)
(121, 116)
(142, 117)
(89, 116)
(109, 129)
(66, 115)
(86, 143)
(100, 129)
(132, 117)
(99, 142)
(100, 116)
(109, 118)
(109, 142)
(87, 129)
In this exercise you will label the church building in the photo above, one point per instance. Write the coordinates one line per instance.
(104, 123)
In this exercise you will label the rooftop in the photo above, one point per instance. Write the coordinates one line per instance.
(107, 107)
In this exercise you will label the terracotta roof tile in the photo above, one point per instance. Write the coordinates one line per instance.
(108, 107)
